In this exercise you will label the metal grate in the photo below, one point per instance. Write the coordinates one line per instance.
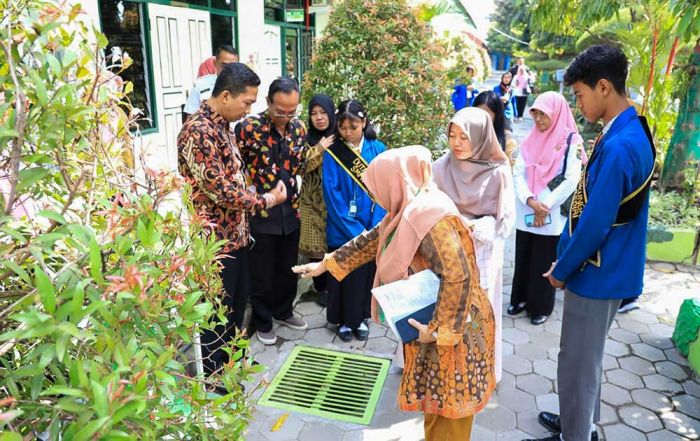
(329, 384)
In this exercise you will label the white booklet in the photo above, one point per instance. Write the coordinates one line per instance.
(415, 296)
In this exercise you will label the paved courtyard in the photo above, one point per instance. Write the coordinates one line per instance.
(649, 392)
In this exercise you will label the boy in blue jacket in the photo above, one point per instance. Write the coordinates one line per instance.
(601, 252)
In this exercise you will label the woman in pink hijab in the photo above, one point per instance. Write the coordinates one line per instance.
(449, 371)
(476, 175)
(545, 176)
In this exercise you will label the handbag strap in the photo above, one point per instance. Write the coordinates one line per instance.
(566, 154)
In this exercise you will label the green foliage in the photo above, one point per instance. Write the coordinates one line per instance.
(379, 53)
(673, 209)
(462, 52)
(101, 281)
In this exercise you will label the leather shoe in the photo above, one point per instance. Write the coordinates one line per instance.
(345, 335)
(552, 422)
(549, 438)
(538, 319)
(515, 309)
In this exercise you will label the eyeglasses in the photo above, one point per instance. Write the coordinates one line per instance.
(285, 115)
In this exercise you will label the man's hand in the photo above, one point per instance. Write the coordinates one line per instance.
(326, 142)
(424, 335)
(280, 193)
(552, 281)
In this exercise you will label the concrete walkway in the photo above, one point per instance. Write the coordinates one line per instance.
(649, 391)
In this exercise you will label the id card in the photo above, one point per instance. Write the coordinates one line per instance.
(352, 209)
(530, 220)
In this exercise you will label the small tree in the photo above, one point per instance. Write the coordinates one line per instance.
(100, 282)
(379, 53)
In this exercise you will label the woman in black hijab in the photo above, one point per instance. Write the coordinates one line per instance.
(311, 206)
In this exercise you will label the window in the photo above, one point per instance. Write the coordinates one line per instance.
(222, 31)
(227, 5)
(123, 25)
(274, 10)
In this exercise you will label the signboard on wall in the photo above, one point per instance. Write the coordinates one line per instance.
(294, 15)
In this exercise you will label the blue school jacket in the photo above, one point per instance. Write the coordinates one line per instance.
(339, 189)
(624, 163)
(509, 106)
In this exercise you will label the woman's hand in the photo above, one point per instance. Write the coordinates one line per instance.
(540, 208)
(424, 335)
(326, 142)
(313, 269)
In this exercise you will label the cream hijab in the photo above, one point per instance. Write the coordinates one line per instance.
(476, 185)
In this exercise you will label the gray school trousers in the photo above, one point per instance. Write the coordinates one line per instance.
(584, 328)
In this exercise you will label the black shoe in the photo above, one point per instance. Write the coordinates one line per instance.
(549, 438)
(361, 334)
(346, 336)
(538, 319)
(322, 299)
(515, 309)
(552, 422)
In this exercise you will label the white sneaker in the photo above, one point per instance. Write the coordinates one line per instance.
(628, 307)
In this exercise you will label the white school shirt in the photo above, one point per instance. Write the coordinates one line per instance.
(552, 199)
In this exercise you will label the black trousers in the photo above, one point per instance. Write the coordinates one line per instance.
(349, 301)
(320, 282)
(520, 103)
(534, 254)
(236, 280)
(273, 284)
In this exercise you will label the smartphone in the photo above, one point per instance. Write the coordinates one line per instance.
(530, 220)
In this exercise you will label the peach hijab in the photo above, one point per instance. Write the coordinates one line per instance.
(401, 182)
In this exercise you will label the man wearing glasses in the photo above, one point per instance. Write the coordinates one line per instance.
(272, 144)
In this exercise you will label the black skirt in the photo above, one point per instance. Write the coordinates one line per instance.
(349, 301)
(534, 254)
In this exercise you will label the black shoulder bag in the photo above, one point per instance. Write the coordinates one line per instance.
(561, 177)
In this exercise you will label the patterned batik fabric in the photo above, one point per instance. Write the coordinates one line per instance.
(455, 376)
(312, 207)
(209, 160)
(267, 160)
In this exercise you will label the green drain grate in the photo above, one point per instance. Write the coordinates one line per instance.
(329, 384)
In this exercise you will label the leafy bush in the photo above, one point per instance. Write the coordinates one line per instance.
(100, 280)
(673, 209)
(379, 53)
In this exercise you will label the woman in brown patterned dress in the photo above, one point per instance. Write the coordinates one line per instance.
(449, 371)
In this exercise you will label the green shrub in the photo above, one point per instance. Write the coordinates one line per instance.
(379, 53)
(101, 283)
(673, 209)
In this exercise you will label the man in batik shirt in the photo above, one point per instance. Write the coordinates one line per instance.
(209, 160)
(272, 144)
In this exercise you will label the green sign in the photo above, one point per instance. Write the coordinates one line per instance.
(295, 15)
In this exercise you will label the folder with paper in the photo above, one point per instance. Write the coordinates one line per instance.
(414, 297)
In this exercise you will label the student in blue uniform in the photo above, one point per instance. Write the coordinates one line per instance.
(350, 212)
(600, 257)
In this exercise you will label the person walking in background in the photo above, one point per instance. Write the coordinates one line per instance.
(204, 85)
(476, 175)
(449, 373)
(545, 175)
(465, 92)
(521, 90)
(505, 93)
(209, 160)
(312, 208)
(601, 254)
(350, 212)
(492, 104)
(272, 144)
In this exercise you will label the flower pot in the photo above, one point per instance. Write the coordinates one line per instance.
(670, 244)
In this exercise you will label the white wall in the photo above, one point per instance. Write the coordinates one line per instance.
(254, 47)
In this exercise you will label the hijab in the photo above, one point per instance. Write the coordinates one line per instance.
(477, 184)
(314, 135)
(401, 182)
(543, 152)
